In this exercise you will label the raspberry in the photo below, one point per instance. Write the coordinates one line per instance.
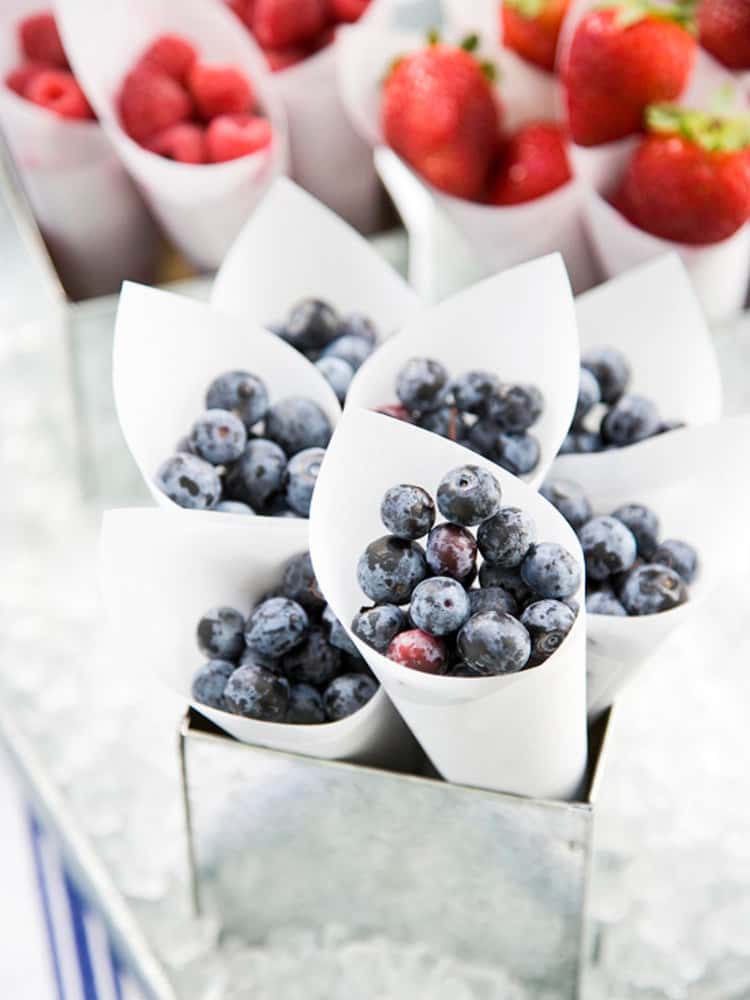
(348, 10)
(230, 136)
(40, 40)
(58, 91)
(151, 101)
(19, 79)
(219, 90)
(172, 55)
(184, 142)
(278, 23)
(290, 55)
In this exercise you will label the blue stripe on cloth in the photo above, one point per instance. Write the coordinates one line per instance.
(36, 834)
(76, 903)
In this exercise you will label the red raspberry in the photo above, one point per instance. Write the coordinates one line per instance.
(348, 10)
(230, 136)
(171, 54)
(185, 143)
(418, 650)
(219, 90)
(151, 101)
(19, 79)
(40, 40)
(279, 59)
(278, 23)
(58, 91)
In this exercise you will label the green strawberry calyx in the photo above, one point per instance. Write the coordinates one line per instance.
(680, 12)
(530, 9)
(469, 44)
(716, 133)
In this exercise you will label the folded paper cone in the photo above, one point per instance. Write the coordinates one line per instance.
(162, 570)
(519, 325)
(694, 482)
(169, 348)
(202, 207)
(523, 733)
(293, 248)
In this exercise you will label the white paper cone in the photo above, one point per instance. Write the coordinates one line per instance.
(202, 207)
(693, 480)
(292, 248)
(168, 349)
(161, 571)
(481, 17)
(523, 733)
(519, 325)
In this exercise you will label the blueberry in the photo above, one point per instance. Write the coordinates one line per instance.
(301, 477)
(611, 371)
(209, 682)
(509, 579)
(644, 524)
(589, 394)
(492, 599)
(358, 325)
(504, 538)
(257, 694)
(299, 584)
(463, 670)
(218, 436)
(551, 571)
(314, 661)
(276, 626)
(604, 602)
(311, 325)
(184, 445)
(257, 474)
(407, 511)
(418, 650)
(296, 424)
(547, 622)
(609, 547)
(240, 392)
(483, 437)
(631, 419)
(493, 642)
(445, 421)
(670, 425)
(189, 481)
(472, 391)
(468, 495)
(305, 706)
(377, 626)
(439, 605)
(518, 453)
(252, 658)
(221, 634)
(679, 556)
(354, 350)
(422, 385)
(337, 634)
(452, 551)
(347, 694)
(569, 499)
(234, 507)
(337, 373)
(582, 443)
(514, 407)
(390, 568)
(651, 589)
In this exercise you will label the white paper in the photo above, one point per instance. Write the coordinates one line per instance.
(523, 733)
(520, 325)
(693, 480)
(169, 348)
(292, 248)
(202, 207)
(162, 570)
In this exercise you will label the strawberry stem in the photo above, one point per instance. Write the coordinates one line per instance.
(470, 43)
(716, 133)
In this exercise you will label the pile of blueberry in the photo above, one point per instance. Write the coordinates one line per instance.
(516, 618)
(289, 661)
(628, 570)
(337, 345)
(477, 410)
(244, 455)
(606, 417)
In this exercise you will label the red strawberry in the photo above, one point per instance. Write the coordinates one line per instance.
(440, 114)
(278, 23)
(57, 90)
(230, 136)
(151, 101)
(172, 55)
(531, 28)
(617, 66)
(243, 9)
(19, 79)
(533, 163)
(689, 180)
(279, 59)
(40, 40)
(185, 143)
(347, 10)
(724, 29)
(219, 90)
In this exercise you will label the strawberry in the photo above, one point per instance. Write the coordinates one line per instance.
(440, 114)
(279, 59)
(40, 40)
(172, 55)
(620, 61)
(151, 101)
(19, 79)
(278, 23)
(689, 179)
(57, 90)
(531, 29)
(347, 10)
(533, 163)
(724, 30)
(185, 143)
(219, 90)
(230, 136)
(243, 9)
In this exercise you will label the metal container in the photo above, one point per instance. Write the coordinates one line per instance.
(292, 842)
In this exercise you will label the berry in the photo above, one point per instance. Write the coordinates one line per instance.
(651, 589)
(463, 670)
(284, 57)
(350, 348)
(604, 602)
(679, 556)
(209, 682)
(547, 622)
(172, 55)
(418, 650)
(379, 625)
(242, 393)
(57, 91)
(644, 524)
(337, 373)
(40, 40)
(493, 642)
(407, 512)
(533, 163)
(569, 499)
(631, 419)
(312, 325)
(278, 23)
(483, 437)
(508, 579)
(347, 694)
(492, 599)
(724, 31)
(305, 706)
(422, 385)
(396, 411)
(189, 481)
(19, 79)
(228, 137)
(234, 507)
(257, 693)
(219, 90)
(610, 369)
(298, 583)
(183, 143)
(505, 538)
(390, 568)
(276, 626)
(314, 661)
(452, 551)
(468, 495)
(221, 634)
(348, 10)
(337, 634)
(301, 476)
(447, 422)
(589, 394)
(515, 407)
(582, 443)
(257, 474)
(252, 658)
(609, 547)
(472, 391)
(218, 436)
(358, 325)
(551, 571)
(518, 453)
(439, 605)
(296, 424)
(150, 101)
(531, 29)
